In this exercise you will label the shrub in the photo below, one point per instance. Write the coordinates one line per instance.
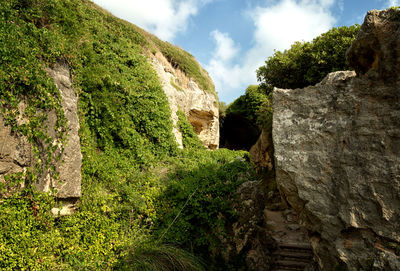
(307, 63)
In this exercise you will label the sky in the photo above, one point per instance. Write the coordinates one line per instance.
(232, 38)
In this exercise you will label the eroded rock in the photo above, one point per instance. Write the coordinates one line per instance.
(16, 153)
(250, 236)
(69, 183)
(375, 53)
(262, 153)
(200, 107)
(337, 152)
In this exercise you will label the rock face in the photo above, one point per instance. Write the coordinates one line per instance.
(250, 236)
(337, 152)
(262, 152)
(199, 106)
(69, 183)
(16, 153)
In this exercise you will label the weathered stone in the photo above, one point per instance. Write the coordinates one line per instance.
(66, 207)
(262, 152)
(69, 183)
(200, 107)
(375, 53)
(250, 235)
(16, 152)
(337, 152)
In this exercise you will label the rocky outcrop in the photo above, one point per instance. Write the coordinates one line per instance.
(16, 153)
(199, 106)
(337, 153)
(249, 234)
(69, 183)
(262, 153)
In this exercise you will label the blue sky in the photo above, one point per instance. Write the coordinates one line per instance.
(232, 38)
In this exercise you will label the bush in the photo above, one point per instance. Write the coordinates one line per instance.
(195, 209)
(307, 63)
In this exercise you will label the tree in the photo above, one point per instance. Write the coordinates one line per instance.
(307, 63)
(248, 104)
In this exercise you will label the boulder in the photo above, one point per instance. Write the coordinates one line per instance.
(337, 153)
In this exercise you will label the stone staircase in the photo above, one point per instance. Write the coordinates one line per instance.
(294, 250)
(293, 256)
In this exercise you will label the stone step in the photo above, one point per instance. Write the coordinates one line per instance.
(291, 265)
(300, 254)
(293, 256)
(295, 246)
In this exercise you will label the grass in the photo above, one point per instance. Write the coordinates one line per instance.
(175, 85)
(187, 63)
(161, 258)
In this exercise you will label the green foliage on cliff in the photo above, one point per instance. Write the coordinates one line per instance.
(248, 104)
(189, 137)
(307, 63)
(135, 179)
(184, 61)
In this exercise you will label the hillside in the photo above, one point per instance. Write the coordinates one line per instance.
(139, 190)
(109, 154)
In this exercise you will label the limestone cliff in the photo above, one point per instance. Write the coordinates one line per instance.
(199, 106)
(16, 153)
(337, 152)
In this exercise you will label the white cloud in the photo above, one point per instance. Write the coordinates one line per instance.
(276, 27)
(164, 18)
(389, 3)
(221, 65)
(392, 3)
(225, 46)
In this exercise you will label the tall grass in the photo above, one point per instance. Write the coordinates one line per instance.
(153, 257)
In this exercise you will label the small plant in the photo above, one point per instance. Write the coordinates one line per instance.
(178, 88)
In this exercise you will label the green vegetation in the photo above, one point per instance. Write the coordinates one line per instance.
(167, 258)
(189, 137)
(222, 106)
(245, 118)
(307, 63)
(394, 246)
(248, 104)
(187, 63)
(172, 82)
(304, 64)
(139, 190)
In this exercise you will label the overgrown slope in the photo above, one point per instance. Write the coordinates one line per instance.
(138, 187)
